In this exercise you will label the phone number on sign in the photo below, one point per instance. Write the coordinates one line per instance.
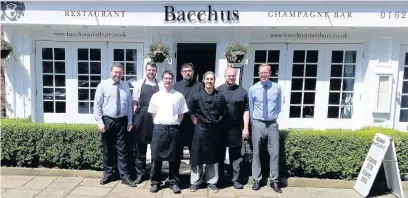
(394, 15)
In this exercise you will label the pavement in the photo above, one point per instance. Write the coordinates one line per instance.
(79, 187)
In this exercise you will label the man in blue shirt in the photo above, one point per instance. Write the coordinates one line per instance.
(264, 108)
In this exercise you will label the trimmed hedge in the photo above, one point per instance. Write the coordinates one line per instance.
(336, 154)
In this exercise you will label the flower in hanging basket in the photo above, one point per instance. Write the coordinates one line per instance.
(158, 52)
(236, 52)
(6, 48)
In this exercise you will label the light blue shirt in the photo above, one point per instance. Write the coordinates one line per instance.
(255, 97)
(105, 100)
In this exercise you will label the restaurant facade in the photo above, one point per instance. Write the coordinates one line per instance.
(341, 64)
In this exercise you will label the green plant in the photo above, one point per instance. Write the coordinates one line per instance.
(6, 46)
(158, 52)
(334, 154)
(236, 52)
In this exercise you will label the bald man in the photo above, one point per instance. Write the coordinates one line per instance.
(235, 126)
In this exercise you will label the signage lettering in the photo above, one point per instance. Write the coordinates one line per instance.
(107, 14)
(303, 14)
(171, 15)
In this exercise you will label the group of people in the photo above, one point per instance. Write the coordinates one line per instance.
(169, 116)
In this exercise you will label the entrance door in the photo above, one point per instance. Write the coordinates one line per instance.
(401, 115)
(201, 55)
(275, 56)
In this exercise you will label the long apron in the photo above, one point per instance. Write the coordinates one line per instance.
(166, 144)
(143, 120)
(204, 145)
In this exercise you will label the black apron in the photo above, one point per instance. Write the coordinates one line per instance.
(166, 144)
(143, 120)
(205, 144)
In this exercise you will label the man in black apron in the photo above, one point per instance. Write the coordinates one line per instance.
(167, 108)
(207, 108)
(188, 87)
(143, 121)
(235, 126)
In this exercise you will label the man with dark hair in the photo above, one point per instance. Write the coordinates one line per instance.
(234, 125)
(188, 87)
(113, 112)
(167, 108)
(143, 121)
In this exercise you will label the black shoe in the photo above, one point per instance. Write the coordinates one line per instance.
(155, 188)
(256, 186)
(275, 187)
(213, 188)
(175, 189)
(193, 188)
(139, 179)
(105, 181)
(128, 182)
(237, 185)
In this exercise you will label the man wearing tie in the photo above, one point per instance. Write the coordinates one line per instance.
(113, 112)
(264, 108)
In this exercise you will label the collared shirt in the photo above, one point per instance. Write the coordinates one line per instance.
(105, 100)
(138, 87)
(167, 105)
(237, 102)
(208, 108)
(255, 96)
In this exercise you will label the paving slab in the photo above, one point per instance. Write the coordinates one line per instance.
(294, 192)
(3, 190)
(14, 181)
(81, 196)
(39, 182)
(94, 182)
(143, 185)
(67, 182)
(90, 191)
(133, 192)
(265, 191)
(224, 192)
(26, 193)
(53, 193)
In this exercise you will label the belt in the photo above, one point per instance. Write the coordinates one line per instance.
(116, 119)
(266, 121)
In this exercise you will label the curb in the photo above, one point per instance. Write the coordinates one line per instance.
(289, 182)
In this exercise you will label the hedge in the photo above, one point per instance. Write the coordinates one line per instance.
(336, 154)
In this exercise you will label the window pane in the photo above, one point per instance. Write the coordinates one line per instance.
(403, 115)
(405, 87)
(311, 70)
(296, 98)
(273, 56)
(350, 57)
(131, 55)
(95, 80)
(256, 69)
(346, 112)
(312, 56)
(130, 68)
(310, 84)
(95, 54)
(60, 107)
(405, 73)
(308, 112)
(47, 54)
(298, 70)
(48, 107)
(275, 69)
(47, 67)
(334, 98)
(83, 94)
(260, 56)
(83, 107)
(347, 99)
(294, 111)
(299, 56)
(118, 54)
(333, 112)
(297, 84)
(83, 54)
(60, 94)
(92, 94)
(309, 98)
(336, 70)
(60, 80)
(404, 101)
(349, 71)
(348, 84)
(83, 81)
(335, 84)
(59, 67)
(83, 68)
(59, 54)
(96, 68)
(337, 57)
(48, 80)
(48, 94)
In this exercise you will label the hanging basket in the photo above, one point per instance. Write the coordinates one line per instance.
(158, 57)
(235, 58)
(5, 53)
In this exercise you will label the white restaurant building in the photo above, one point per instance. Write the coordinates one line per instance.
(341, 64)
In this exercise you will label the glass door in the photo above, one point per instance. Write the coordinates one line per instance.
(401, 114)
(272, 54)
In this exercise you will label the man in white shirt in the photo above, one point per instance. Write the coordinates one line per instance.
(143, 122)
(167, 108)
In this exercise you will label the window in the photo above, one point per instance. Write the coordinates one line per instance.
(270, 57)
(54, 80)
(383, 93)
(128, 58)
(404, 93)
(303, 89)
(342, 79)
(89, 76)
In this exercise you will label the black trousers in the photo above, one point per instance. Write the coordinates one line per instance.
(140, 158)
(115, 148)
(174, 176)
(235, 158)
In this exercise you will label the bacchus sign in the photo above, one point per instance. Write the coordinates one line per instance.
(208, 15)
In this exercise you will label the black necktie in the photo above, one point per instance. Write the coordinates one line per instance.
(118, 99)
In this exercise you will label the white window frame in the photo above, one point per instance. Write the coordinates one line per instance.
(403, 126)
(71, 75)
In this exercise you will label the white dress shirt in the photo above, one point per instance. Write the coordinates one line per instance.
(137, 88)
(167, 105)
